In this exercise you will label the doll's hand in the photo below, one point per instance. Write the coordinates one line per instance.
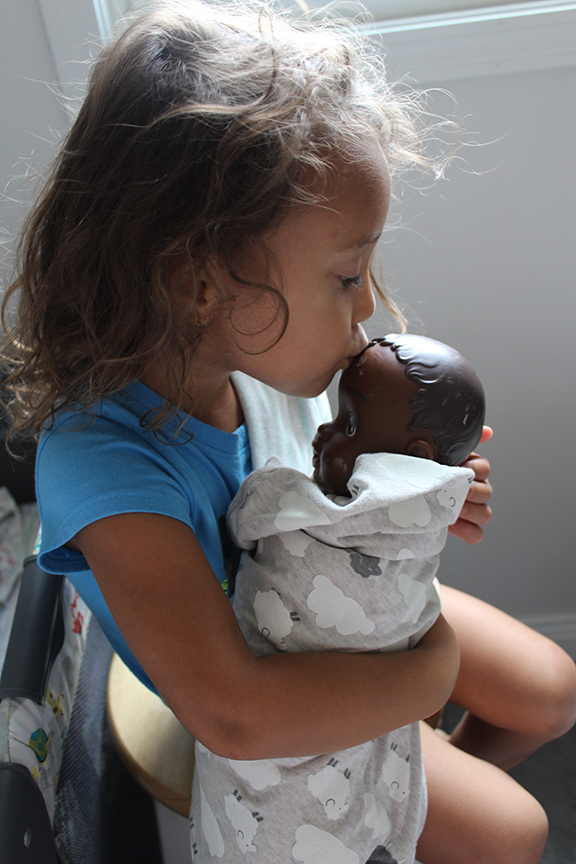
(476, 510)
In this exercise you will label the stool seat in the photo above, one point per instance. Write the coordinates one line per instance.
(152, 743)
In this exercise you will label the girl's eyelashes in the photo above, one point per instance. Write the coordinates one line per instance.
(351, 426)
(352, 281)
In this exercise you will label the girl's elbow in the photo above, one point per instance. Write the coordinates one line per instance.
(232, 742)
(233, 734)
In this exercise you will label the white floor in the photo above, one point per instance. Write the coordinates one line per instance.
(174, 836)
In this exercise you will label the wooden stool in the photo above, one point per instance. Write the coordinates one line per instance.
(153, 745)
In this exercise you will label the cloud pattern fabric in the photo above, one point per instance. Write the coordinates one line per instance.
(321, 573)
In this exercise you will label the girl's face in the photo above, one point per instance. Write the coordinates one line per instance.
(323, 255)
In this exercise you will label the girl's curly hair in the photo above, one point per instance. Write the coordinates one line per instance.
(201, 127)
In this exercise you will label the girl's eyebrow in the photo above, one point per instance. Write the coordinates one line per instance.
(366, 240)
(370, 238)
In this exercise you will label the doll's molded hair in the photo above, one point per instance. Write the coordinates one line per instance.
(450, 402)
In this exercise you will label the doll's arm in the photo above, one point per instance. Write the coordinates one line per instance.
(182, 629)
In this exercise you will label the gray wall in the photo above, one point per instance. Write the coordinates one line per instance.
(29, 111)
(485, 261)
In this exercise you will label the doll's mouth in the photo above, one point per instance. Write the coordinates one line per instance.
(316, 450)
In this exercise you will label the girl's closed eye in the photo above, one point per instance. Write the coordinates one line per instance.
(352, 281)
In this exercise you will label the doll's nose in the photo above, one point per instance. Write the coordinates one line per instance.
(324, 432)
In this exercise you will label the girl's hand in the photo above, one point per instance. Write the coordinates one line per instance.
(476, 510)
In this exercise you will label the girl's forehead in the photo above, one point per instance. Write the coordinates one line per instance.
(353, 203)
(347, 218)
(367, 169)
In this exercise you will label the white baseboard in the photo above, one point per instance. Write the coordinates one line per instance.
(559, 628)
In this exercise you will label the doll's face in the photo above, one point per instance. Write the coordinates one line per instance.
(374, 416)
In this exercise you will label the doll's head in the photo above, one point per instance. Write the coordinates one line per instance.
(404, 394)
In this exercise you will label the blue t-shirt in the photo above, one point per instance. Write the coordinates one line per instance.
(92, 467)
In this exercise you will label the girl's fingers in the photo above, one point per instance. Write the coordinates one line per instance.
(480, 492)
(479, 464)
(478, 514)
(473, 515)
(469, 532)
(476, 510)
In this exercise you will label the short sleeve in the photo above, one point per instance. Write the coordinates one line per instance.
(83, 477)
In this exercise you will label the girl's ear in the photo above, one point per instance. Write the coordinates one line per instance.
(206, 299)
(421, 449)
(193, 290)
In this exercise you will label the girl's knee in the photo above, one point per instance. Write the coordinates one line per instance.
(513, 831)
(531, 836)
(519, 836)
(557, 711)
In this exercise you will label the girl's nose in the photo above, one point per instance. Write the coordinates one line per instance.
(365, 302)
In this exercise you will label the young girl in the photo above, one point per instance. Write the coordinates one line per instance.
(193, 276)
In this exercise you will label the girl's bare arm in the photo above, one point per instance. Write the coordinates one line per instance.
(181, 627)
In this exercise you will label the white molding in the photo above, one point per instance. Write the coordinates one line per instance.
(467, 13)
(514, 38)
(559, 628)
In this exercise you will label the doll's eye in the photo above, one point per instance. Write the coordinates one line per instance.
(351, 426)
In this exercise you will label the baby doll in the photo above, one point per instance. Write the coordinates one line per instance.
(385, 397)
(346, 562)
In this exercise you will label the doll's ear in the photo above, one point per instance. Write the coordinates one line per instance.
(421, 449)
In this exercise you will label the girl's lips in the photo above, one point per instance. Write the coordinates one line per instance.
(351, 359)
(357, 356)
(354, 356)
